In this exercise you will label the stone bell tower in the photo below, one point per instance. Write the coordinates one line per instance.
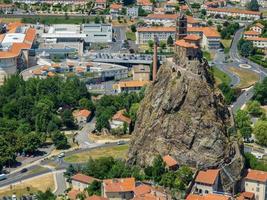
(181, 26)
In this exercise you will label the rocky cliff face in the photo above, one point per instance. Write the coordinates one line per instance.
(181, 115)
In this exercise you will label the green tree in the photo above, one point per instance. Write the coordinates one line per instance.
(67, 119)
(185, 174)
(254, 108)
(85, 103)
(260, 92)
(32, 141)
(133, 28)
(162, 44)
(210, 23)
(60, 140)
(81, 196)
(47, 195)
(97, 19)
(170, 41)
(150, 43)
(242, 119)
(94, 188)
(253, 5)
(260, 132)
(158, 168)
(102, 121)
(133, 111)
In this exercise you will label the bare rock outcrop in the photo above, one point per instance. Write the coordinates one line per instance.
(181, 115)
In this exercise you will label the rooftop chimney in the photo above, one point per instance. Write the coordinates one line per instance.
(155, 58)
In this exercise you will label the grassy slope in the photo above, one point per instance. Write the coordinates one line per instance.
(220, 76)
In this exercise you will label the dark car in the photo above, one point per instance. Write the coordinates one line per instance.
(23, 170)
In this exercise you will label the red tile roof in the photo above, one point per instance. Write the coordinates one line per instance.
(259, 25)
(119, 116)
(207, 31)
(144, 3)
(251, 33)
(83, 178)
(116, 6)
(82, 113)
(207, 197)
(256, 39)
(163, 16)
(119, 185)
(156, 29)
(94, 197)
(170, 161)
(256, 175)
(131, 84)
(142, 189)
(183, 43)
(207, 177)
(73, 193)
(192, 37)
(248, 195)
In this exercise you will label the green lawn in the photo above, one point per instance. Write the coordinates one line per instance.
(226, 43)
(207, 55)
(130, 35)
(220, 76)
(116, 152)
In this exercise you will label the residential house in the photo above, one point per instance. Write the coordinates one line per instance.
(145, 34)
(146, 5)
(100, 4)
(256, 182)
(119, 119)
(248, 34)
(258, 42)
(141, 72)
(147, 192)
(94, 197)
(161, 19)
(233, 12)
(214, 4)
(159, 10)
(132, 11)
(192, 22)
(80, 181)
(115, 189)
(207, 197)
(170, 162)
(258, 27)
(129, 86)
(72, 194)
(170, 7)
(82, 116)
(206, 181)
(115, 9)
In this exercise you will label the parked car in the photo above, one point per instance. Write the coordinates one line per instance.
(23, 170)
(61, 155)
(3, 177)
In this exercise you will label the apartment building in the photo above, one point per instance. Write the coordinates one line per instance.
(14, 48)
(115, 9)
(256, 182)
(258, 27)
(143, 35)
(232, 12)
(258, 42)
(262, 3)
(146, 5)
(80, 181)
(249, 33)
(100, 4)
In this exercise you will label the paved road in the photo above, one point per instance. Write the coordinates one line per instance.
(236, 61)
(60, 182)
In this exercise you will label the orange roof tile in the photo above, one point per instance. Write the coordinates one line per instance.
(82, 113)
(2, 36)
(119, 185)
(119, 116)
(79, 69)
(30, 35)
(50, 74)
(37, 72)
(83, 178)
(183, 43)
(207, 197)
(131, 84)
(191, 20)
(13, 26)
(142, 189)
(94, 197)
(251, 33)
(115, 6)
(256, 39)
(55, 65)
(207, 177)
(192, 37)
(100, 1)
(248, 195)
(45, 68)
(170, 161)
(233, 10)
(156, 29)
(73, 193)
(256, 175)
(184, 7)
(146, 197)
(207, 31)
(144, 3)
(163, 16)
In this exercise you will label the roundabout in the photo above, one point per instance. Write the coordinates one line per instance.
(245, 66)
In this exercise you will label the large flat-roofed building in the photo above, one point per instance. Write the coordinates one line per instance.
(143, 35)
(64, 36)
(51, 1)
(97, 33)
(232, 12)
(14, 47)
